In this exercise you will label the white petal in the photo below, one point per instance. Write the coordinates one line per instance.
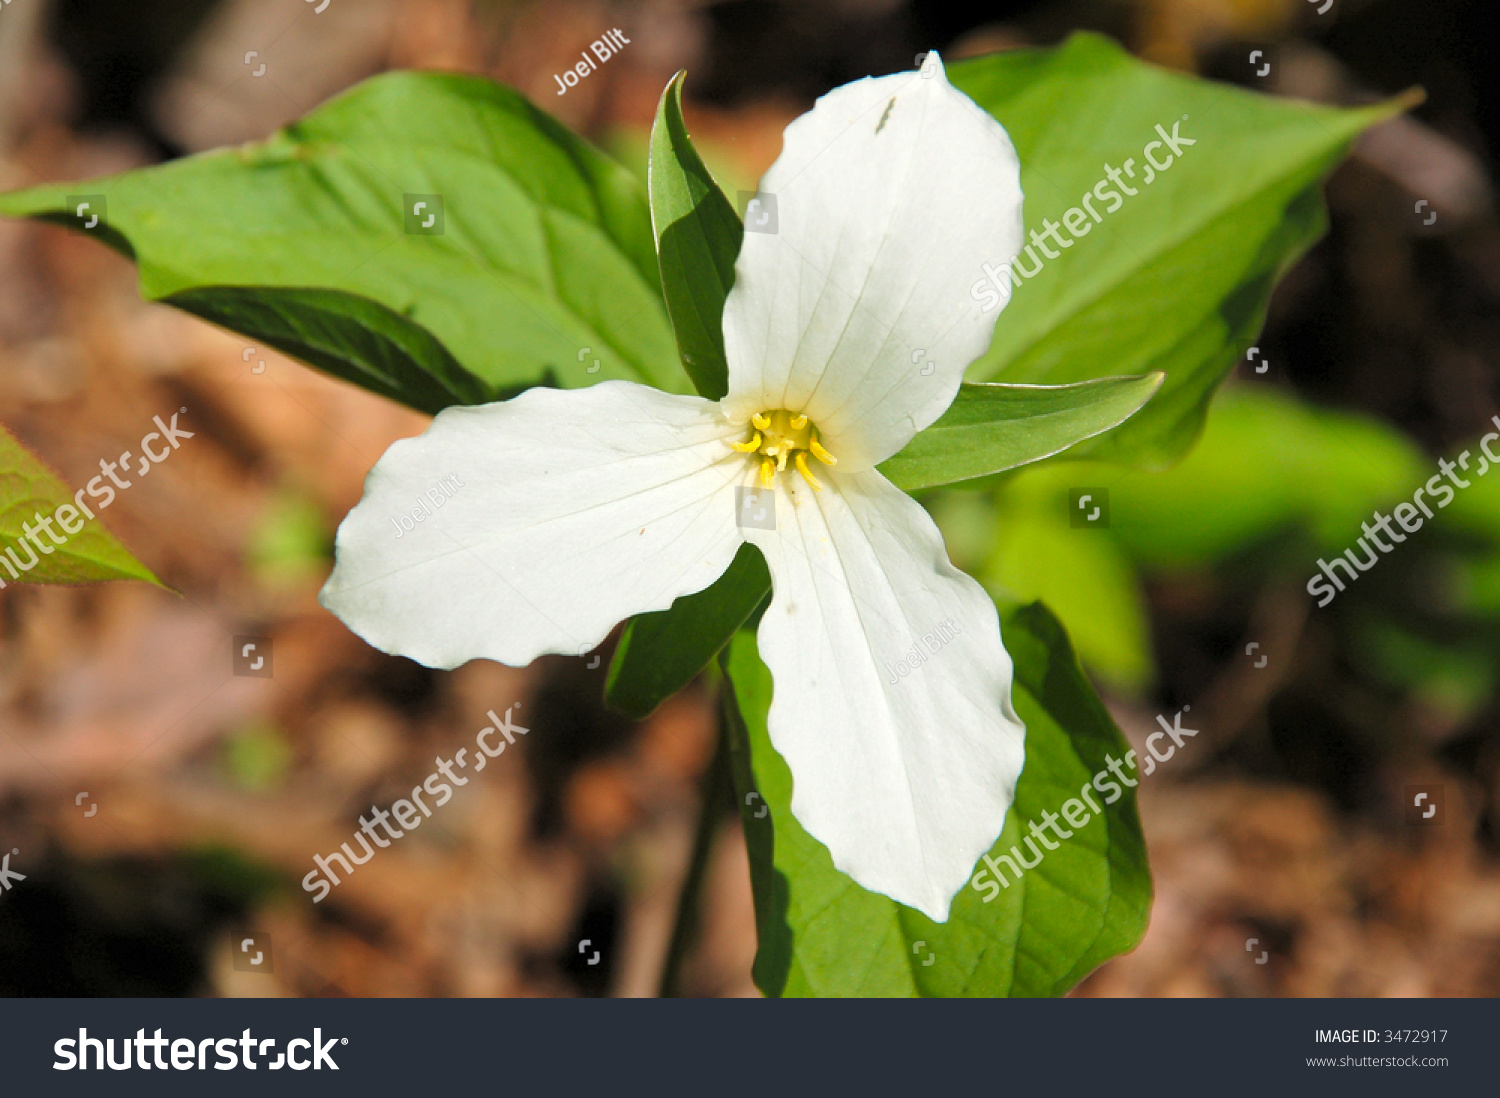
(577, 509)
(905, 777)
(891, 194)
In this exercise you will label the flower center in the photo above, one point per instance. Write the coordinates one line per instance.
(780, 436)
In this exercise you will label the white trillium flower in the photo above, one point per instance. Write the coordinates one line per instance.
(848, 331)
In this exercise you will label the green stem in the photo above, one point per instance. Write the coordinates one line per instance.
(711, 789)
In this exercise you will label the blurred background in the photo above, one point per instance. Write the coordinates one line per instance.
(164, 808)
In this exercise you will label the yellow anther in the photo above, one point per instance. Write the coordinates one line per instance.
(781, 438)
(806, 474)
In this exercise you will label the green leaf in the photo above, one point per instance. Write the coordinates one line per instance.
(539, 266)
(991, 428)
(1270, 480)
(29, 489)
(1176, 278)
(1082, 575)
(662, 652)
(698, 237)
(1266, 464)
(1087, 900)
(345, 335)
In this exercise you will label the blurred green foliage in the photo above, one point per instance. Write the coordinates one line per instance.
(257, 756)
(1272, 486)
(291, 544)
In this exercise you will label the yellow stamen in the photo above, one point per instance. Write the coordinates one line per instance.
(781, 438)
(821, 454)
(806, 475)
